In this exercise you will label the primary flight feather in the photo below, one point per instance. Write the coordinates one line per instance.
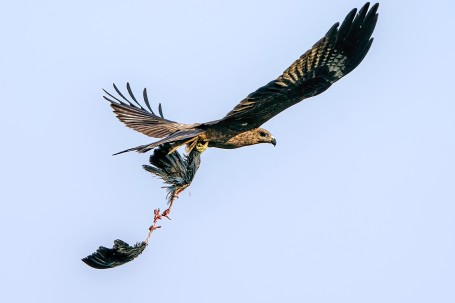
(335, 55)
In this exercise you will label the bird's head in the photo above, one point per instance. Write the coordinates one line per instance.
(264, 136)
(251, 137)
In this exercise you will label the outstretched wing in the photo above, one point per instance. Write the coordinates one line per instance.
(141, 119)
(331, 58)
(120, 254)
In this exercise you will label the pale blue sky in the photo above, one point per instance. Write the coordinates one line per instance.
(355, 204)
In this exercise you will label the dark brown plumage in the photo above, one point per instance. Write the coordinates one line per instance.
(331, 58)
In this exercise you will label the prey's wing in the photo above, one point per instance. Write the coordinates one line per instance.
(331, 58)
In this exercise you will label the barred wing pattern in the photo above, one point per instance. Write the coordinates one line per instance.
(334, 56)
(142, 119)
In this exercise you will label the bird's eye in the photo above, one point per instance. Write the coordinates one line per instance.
(262, 134)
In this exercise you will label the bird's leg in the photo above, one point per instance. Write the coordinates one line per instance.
(157, 216)
(167, 211)
(174, 196)
(201, 146)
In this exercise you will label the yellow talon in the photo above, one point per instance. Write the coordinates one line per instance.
(201, 147)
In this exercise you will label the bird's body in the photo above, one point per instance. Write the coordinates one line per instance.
(332, 57)
(229, 139)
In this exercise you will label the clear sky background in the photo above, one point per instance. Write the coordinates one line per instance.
(355, 204)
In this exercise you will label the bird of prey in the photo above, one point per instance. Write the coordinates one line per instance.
(335, 55)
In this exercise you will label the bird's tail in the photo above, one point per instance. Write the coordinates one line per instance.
(176, 139)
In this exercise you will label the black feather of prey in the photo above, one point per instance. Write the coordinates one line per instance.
(119, 254)
(175, 170)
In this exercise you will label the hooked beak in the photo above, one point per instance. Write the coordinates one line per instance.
(273, 141)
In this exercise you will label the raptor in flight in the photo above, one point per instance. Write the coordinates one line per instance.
(331, 58)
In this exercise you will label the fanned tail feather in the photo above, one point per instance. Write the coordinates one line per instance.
(176, 139)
